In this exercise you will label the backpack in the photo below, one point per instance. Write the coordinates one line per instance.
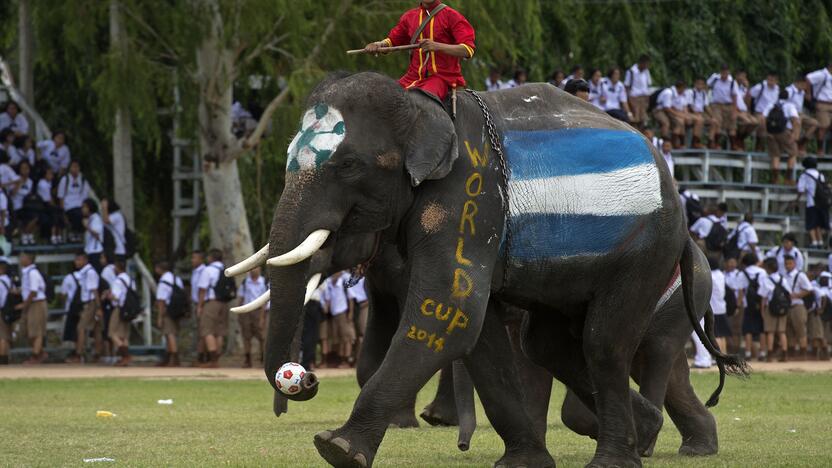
(776, 120)
(178, 307)
(132, 304)
(48, 285)
(129, 242)
(109, 242)
(76, 304)
(225, 289)
(654, 100)
(780, 301)
(693, 209)
(10, 314)
(826, 313)
(809, 300)
(732, 247)
(752, 299)
(730, 301)
(715, 240)
(823, 192)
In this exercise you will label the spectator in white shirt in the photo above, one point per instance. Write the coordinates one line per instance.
(252, 324)
(23, 150)
(114, 222)
(722, 328)
(821, 81)
(614, 96)
(556, 78)
(577, 73)
(73, 189)
(788, 246)
(340, 307)
(92, 314)
(799, 287)
(56, 153)
(119, 329)
(797, 96)
(816, 326)
(9, 180)
(13, 120)
(212, 313)
(6, 287)
(518, 80)
(703, 226)
(746, 123)
(493, 82)
(93, 232)
(596, 83)
(817, 218)
(762, 96)
(637, 80)
(700, 107)
(785, 140)
(723, 104)
(749, 281)
(25, 214)
(169, 325)
(772, 324)
(673, 114)
(578, 88)
(33, 287)
(667, 154)
(748, 240)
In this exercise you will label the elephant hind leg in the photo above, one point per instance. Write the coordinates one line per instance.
(695, 423)
(577, 417)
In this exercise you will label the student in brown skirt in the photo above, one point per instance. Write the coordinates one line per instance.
(33, 306)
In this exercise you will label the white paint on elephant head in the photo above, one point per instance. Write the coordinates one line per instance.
(322, 130)
(530, 99)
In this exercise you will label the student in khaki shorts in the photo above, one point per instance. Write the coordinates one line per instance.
(761, 97)
(723, 108)
(33, 306)
(821, 81)
(772, 324)
(800, 287)
(252, 324)
(637, 81)
(212, 313)
(197, 268)
(785, 141)
(815, 325)
(91, 314)
(169, 326)
(6, 288)
(746, 123)
(119, 330)
(358, 293)
(340, 307)
(797, 96)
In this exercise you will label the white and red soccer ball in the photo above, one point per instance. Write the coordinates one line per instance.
(288, 378)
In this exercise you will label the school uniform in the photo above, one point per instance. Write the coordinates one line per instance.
(747, 236)
(118, 228)
(18, 155)
(17, 124)
(214, 320)
(613, 95)
(638, 84)
(336, 297)
(88, 281)
(6, 285)
(4, 209)
(164, 292)
(797, 281)
(773, 323)
(8, 176)
(35, 314)
(58, 158)
(698, 106)
(821, 81)
(664, 101)
(752, 319)
(493, 86)
(702, 227)
(21, 213)
(73, 191)
(814, 323)
(249, 290)
(723, 103)
(94, 239)
(119, 328)
(806, 186)
(358, 293)
(595, 93)
(763, 97)
(746, 123)
(783, 141)
(779, 252)
(721, 326)
(49, 215)
(797, 97)
(68, 288)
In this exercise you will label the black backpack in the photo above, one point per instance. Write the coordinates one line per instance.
(178, 307)
(752, 299)
(10, 313)
(654, 100)
(129, 242)
(776, 120)
(109, 242)
(132, 304)
(76, 305)
(780, 301)
(732, 247)
(823, 192)
(826, 313)
(730, 301)
(693, 209)
(715, 240)
(225, 289)
(50, 287)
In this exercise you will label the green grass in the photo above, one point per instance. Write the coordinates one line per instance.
(769, 420)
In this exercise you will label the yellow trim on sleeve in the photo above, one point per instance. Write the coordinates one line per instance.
(469, 49)
(433, 55)
(388, 41)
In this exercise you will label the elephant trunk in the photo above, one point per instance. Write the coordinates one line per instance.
(464, 396)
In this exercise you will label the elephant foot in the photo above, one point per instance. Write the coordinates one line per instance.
(698, 448)
(526, 458)
(404, 419)
(649, 422)
(438, 414)
(339, 451)
(606, 461)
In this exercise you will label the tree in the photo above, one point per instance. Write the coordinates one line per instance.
(122, 135)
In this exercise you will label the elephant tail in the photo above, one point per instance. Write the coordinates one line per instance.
(732, 365)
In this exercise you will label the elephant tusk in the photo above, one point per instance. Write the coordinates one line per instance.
(253, 305)
(250, 263)
(311, 286)
(306, 249)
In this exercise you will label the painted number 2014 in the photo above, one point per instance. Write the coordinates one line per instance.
(430, 340)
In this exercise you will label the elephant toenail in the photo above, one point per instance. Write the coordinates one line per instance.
(324, 435)
(341, 444)
(360, 459)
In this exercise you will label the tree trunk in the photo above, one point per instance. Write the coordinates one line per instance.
(220, 178)
(122, 137)
(26, 83)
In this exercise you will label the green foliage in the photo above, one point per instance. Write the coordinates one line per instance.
(79, 81)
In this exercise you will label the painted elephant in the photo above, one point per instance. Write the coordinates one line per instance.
(576, 221)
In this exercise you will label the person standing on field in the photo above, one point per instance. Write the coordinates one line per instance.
(252, 324)
(169, 325)
(33, 286)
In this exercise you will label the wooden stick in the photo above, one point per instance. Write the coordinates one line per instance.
(384, 49)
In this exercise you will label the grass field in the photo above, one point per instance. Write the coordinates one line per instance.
(773, 419)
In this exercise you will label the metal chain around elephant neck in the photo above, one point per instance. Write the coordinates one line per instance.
(494, 140)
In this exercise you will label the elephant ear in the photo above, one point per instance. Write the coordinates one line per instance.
(431, 146)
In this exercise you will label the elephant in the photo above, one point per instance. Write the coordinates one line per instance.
(529, 196)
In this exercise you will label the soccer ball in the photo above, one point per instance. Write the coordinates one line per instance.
(288, 378)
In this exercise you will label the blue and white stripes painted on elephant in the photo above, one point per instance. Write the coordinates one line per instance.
(577, 191)
(322, 130)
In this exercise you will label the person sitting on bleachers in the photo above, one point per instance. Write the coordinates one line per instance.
(50, 215)
(723, 105)
(25, 219)
(93, 232)
(13, 120)
(788, 246)
(700, 107)
(56, 153)
(9, 180)
(614, 96)
(73, 189)
(761, 97)
(596, 85)
(746, 123)
(797, 95)
(821, 81)
(114, 222)
(817, 218)
(23, 150)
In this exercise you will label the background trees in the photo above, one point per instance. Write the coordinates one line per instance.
(101, 69)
